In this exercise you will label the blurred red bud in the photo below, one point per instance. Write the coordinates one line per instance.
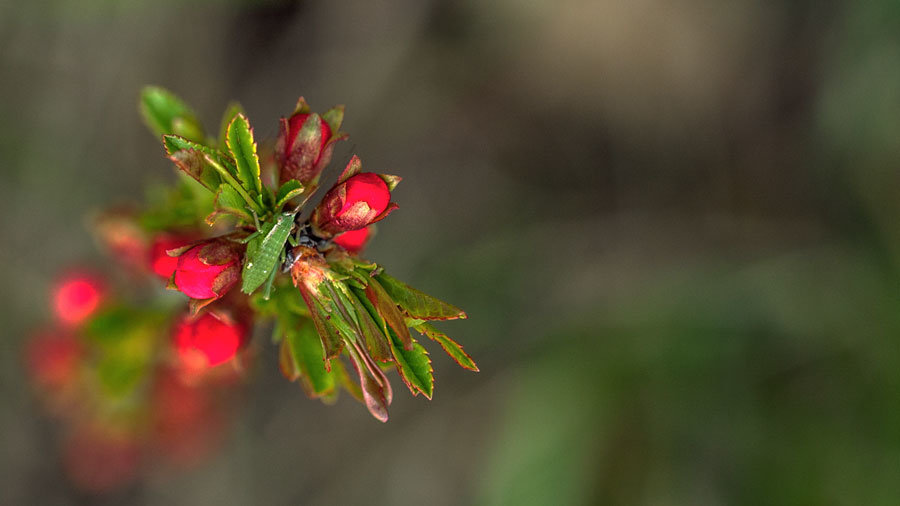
(186, 423)
(353, 204)
(355, 240)
(52, 359)
(208, 340)
(118, 230)
(76, 297)
(209, 269)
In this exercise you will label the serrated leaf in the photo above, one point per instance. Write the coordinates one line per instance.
(239, 138)
(306, 350)
(414, 366)
(231, 111)
(450, 346)
(190, 157)
(164, 113)
(416, 303)
(288, 190)
(264, 256)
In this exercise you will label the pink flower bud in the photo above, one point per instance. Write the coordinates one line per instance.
(208, 340)
(354, 204)
(355, 240)
(300, 158)
(295, 123)
(160, 261)
(76, 298)
(209, 269)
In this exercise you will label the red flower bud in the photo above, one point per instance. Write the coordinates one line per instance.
(303, 159)
(208, 340)
(52, 359)
(355, 240)
(160, 261)
(209, 269)
(76, 298)
(295, 123)
(354, 204)
(186, 422)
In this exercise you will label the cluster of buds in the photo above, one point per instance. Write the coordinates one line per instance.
(103, 367)
(248, 253)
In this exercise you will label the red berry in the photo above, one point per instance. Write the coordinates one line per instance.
(76, 298)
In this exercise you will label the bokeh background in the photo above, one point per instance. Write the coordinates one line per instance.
(675, 227)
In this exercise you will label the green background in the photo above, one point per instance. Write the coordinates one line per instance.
(675, 227)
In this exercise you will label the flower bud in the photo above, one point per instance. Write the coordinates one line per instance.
(186, 424)
(303, 157)
(353, 204)
(120, 233)
(160, 261)
(52, 359)
(76, 298)
(209, 269)
(355, 240)
(208, 340)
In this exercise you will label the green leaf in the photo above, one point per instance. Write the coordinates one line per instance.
(387, 310)
(414, 366)
(231, 111)
(418, 304)
(374, 336)
(266, 251)
(164, 113)
(229, 201)
(306, 350)
(288, 190)
(190, 157)
(239, 138)
(450, 346)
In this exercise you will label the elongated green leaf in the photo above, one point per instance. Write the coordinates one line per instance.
(264, 257)
(450, 346)
(239, 139)
(164, 113)
(231, 111)
(414, 366)
(416, 303)
(387, 309)
(306, 350)
(288, 190)
(376, 340)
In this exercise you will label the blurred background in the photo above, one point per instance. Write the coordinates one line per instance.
(674, 225)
